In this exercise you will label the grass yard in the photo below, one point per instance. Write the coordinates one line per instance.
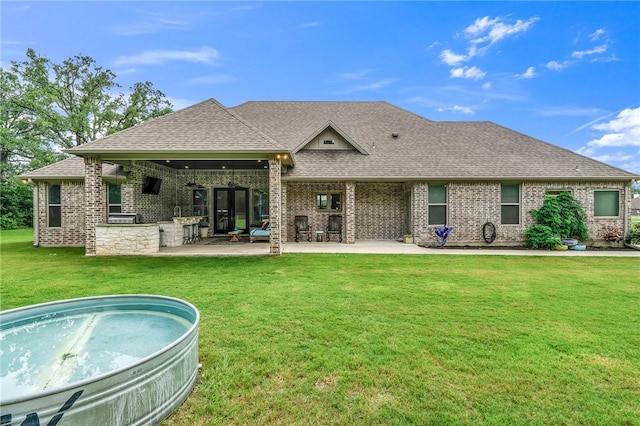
(380, 339)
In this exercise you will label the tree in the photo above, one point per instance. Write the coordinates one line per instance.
(47, 107)
(75, 102)
(21, 144)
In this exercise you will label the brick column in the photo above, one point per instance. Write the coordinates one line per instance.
(350, 212)
(283, 214)
(94, 201)
(419, 213)
(275, 206)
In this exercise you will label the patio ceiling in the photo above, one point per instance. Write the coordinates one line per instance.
(214, 164)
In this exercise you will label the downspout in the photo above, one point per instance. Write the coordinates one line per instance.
(36, 215)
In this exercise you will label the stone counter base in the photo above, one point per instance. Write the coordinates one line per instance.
(127, 239)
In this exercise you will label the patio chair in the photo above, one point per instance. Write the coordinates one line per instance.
(335, 226)
(302, 226)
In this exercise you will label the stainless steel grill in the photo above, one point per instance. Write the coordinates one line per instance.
(122, 218)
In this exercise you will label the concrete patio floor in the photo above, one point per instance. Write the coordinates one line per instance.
(261, 248)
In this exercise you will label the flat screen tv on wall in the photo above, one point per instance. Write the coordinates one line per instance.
(151, 185)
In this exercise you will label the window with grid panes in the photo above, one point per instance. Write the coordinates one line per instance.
(510, 203)
(54, 206)
(437, 204)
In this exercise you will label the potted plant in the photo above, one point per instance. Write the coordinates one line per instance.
(408, 238)
(203, 226)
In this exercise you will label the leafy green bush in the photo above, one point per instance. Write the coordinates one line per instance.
(563, 214)
(633, 237)
(16, 205)
(542, 237)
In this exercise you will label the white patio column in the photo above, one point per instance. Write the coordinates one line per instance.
(350, 212)
(94, 202)
(275, 206)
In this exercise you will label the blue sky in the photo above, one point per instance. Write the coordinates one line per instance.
(564, 72)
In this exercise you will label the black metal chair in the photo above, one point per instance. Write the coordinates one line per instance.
(302, 226)
(335, 226)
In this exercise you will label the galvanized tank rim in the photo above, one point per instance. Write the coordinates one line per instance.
(116, 371)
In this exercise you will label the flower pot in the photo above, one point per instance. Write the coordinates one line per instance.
(408, 239)
(204, 232)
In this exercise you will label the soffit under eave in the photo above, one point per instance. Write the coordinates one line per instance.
(338, 130)
(454, 179)
(285, 156)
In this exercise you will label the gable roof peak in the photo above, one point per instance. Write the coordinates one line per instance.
(337, 129)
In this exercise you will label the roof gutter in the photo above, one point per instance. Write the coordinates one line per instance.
(285, 155)
(454, 179)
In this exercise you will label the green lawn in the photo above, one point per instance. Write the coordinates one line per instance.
(380, 339)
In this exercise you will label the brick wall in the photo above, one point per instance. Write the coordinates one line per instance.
(173, 192)
(72, 231)
(471, 204)
(380, 208)
(381, 211)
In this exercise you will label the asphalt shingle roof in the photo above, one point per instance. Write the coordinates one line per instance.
(70, 168)
(423, 149)
(205, 127)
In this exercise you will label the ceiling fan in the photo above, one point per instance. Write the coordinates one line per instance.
(193, 184)
(232, 184)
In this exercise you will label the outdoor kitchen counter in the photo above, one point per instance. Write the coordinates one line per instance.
(127, 239)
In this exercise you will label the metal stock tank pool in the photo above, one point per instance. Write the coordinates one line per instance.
(109, 360)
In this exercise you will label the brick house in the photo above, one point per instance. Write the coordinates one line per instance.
(386, 171)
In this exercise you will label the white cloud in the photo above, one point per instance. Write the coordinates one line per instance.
(205, 55)
(557, 66)
(473, 73)
(357, 75)
(529, 73)
(594, 36)
(479, 26)
(596, 50)
(150, 24)
(616, 158)
(482, 34)
(452, 59)
(496, 29)
(569, 111)
(487, 85)
(375, 85)
(457, 108)
(624, 130)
